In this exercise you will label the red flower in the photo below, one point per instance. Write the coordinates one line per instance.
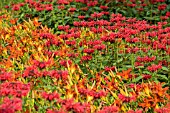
(49, 8)
(146, 76)
(11, 105)
(162, 110)
(154, 67)
(5, 75)
(107, 69)
(104, 7)
(88, 51)
(50, 96)
(109, 109)
(81, 17)
(86, 58)
(65, 63)
(168, 14)
(72, 9)
(137, 111)
(162, 6)
(126, 98)
(61, 7)
(16, 7)
(6, 6)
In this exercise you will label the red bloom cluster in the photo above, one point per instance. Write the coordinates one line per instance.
(16, 7)
(76, 107)
(86, 58)
(81, 17)
(107, 69)
(11, 105)
(162, 6)
(146, 76)
(31, 71)
(70, 42)
(72, 55)
(72, 9)
(93, 93)
(126, 98)
(109, 109)
(61, 27)
(65, 63)
(168, 14)
(88, 51)
(16, 89)
(162, 110)
(47, 35)
(136, 111)
(154, 67)
(145, 59)
(5, 75)
(41, 65)
(100, 47)
(92, 3)
(96, 15)
(104, 7)
(57, 74)
(50, 96)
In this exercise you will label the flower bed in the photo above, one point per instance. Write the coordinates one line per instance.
(98, 65)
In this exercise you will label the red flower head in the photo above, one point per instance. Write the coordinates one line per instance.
(16, 7)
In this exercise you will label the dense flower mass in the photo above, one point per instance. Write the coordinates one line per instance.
(85, 56)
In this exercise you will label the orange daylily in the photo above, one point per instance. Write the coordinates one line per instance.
(125, 74)
(36, 23)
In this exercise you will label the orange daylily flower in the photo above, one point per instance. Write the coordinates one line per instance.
(36, 23)
(125, 74)
(13, 21)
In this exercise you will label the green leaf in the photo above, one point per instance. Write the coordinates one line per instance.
(157, 18)
(162, 77)
(165, 68)
(137, 79)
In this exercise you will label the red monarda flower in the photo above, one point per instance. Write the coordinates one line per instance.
(61, 27)
(62, 2)
(49, 8)
(59, 74)
(50, 96)
(16, 89)
(70, 42)
(88, 51)
(6, 7)
(104, 7)
(11, 105)
(154, 67)
(109, 109)
(168, 14)
(61, 7)
(5, 75)
(92, 3)
(162, 6)
(100, 47)
(96, 15)
(146, 76)
(72, 55)
(81, 17)
(126, 98)
(31, 71)
(136, 111)
(86, 58)
(65, 63)
(72, 9)
(162, 110)
(16, 7)
(107, 69)
(145, 59)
